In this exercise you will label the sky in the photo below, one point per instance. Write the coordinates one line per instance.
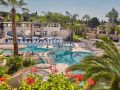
(94, 8)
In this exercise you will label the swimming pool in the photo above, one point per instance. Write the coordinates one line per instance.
(69, 57)
(30, 48)
(63, 55)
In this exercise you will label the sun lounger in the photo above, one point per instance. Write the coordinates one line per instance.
(37, 41)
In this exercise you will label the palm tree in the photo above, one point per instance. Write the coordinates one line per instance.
(105, 69)
(14, 4)
(86, 19)
(73, 18)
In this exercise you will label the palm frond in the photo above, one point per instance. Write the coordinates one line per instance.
(3, 2)
(25, 9)
(21, 3)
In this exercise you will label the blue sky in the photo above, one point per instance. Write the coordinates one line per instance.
(97, 8)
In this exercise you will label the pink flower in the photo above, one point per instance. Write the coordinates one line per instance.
(90, 81)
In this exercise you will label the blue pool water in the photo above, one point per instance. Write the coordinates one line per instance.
(60, 55)
(30, 48)
(68, 57)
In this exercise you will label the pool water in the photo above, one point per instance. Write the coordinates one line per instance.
(68, 57)
(63, 55)
(30, 48)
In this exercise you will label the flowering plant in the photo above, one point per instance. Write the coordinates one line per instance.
(54, 82)
(3, 84)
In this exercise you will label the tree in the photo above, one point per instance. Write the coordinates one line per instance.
(14, 4)
(86, 18)
(113, 19)
(73, 18)
(94, 22)
(112, 16)
(26, 17)
(105, 69)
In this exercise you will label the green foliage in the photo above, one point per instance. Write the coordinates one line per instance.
(16, 63)
(113, 16)
(94, 22)
(55, 82)
(78, 29)
(43, 19)
(75, 38)
(5, 86)
(28, 62)
(118, 30)
(3, 71)
(103, 69)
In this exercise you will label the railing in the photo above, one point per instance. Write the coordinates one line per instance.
(48, 59)
(51, 59)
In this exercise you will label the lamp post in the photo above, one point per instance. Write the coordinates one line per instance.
(71, 36)
(31, 26)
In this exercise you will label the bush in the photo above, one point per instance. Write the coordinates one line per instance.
(75, 38)
(55, 82)
(3, 71)
(16, 63)
(28, 62)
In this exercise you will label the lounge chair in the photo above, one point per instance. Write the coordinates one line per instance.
(26, 41)
(37, 41)
(34, 41)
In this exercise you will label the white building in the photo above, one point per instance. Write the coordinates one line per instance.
(36, 29)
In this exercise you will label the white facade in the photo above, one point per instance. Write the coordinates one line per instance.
(40, 30)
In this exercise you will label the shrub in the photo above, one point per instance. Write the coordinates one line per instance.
(28, 62)
(14, 63)
(55, 82)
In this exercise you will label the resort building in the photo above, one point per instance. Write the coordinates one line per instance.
(28, 29)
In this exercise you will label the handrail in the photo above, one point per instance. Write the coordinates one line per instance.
(52, 59)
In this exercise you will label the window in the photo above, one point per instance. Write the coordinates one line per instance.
(54, 33)
(45, 33)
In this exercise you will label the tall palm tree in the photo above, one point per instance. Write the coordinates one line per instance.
(14, 4)
(73, 18)
(105, 70)
(86, 18)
